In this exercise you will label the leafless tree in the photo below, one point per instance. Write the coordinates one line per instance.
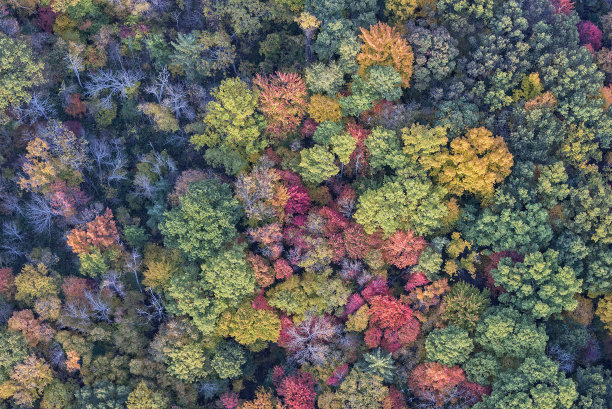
(154, 310)
(110, 160)
(134, 264)
(106, 83)
(309, 341)
(159, 85)
(38, 107)
(112, 281)
(39, 214)
(176, 100)
(75, 63)
(99, 307)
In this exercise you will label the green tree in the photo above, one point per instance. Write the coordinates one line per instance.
(317, 164)
(449, 346)
(102, 395)
(13, 350)
(505, 332)
(378, 363)
(19, 72)
(464, 305)
(594, 384)
(539, 285)
(228, 360)
(231, 122)
(144, 397)
(203, 222)
(407, 202)
(535, 384)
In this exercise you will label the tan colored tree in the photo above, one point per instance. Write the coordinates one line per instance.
(384, 45)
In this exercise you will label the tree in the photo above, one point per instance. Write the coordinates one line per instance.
(144, 398)
(536, 383)
(317, 164)
(231, 122)
(19, 72)
(202, 53)
(504, 331)
(56, 154)
(383, 45)
(13, 350)
(322, 108)
(538, 285)
(250, 327)
(475, 164)
(229, 276)
(434, 53)
(34, 282)
(449, 346)
(32, 329)
(464, 305)
(27, 381)
(102, 394)
(297, 390)
(282, 100)
(402, 249)
(228, 360)
(403, 203)
(358, 390)
(594, 387)
(434, 382)
(378, 363)
(203, 222)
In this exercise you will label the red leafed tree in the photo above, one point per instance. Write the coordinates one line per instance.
(434, 382)
(282, 269)
(65, 200)
(338, 375)
(377, 286)
(76, 107)
(590, 34)
(75, 288)
(563, 6)
(46, 18)
(101, 232)
(32, 329)
(416, 280)
(229, 400)
(355, 241)
(402, 249)
(7, 282)
(354, 302)
(297, 390)
(395, 399)
(299, 201)
(389, 312)
(359, 158)
(373, 336)
(282, 99)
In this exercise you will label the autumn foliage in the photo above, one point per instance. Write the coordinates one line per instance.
(383, 45)
(282, 100)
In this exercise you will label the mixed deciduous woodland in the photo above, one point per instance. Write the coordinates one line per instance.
(306, 204)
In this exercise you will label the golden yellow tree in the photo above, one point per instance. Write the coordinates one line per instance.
(474, 164)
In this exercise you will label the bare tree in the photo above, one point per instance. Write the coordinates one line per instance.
(39, 214)
(112, 281)
(159, 85)
(154, 310)
(309, 342)
(99, 307)
(38, 107)
(178, 102)
(112, 83)
(75, 63)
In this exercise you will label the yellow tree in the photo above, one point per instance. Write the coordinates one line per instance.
(474, 164)
(384, 45)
